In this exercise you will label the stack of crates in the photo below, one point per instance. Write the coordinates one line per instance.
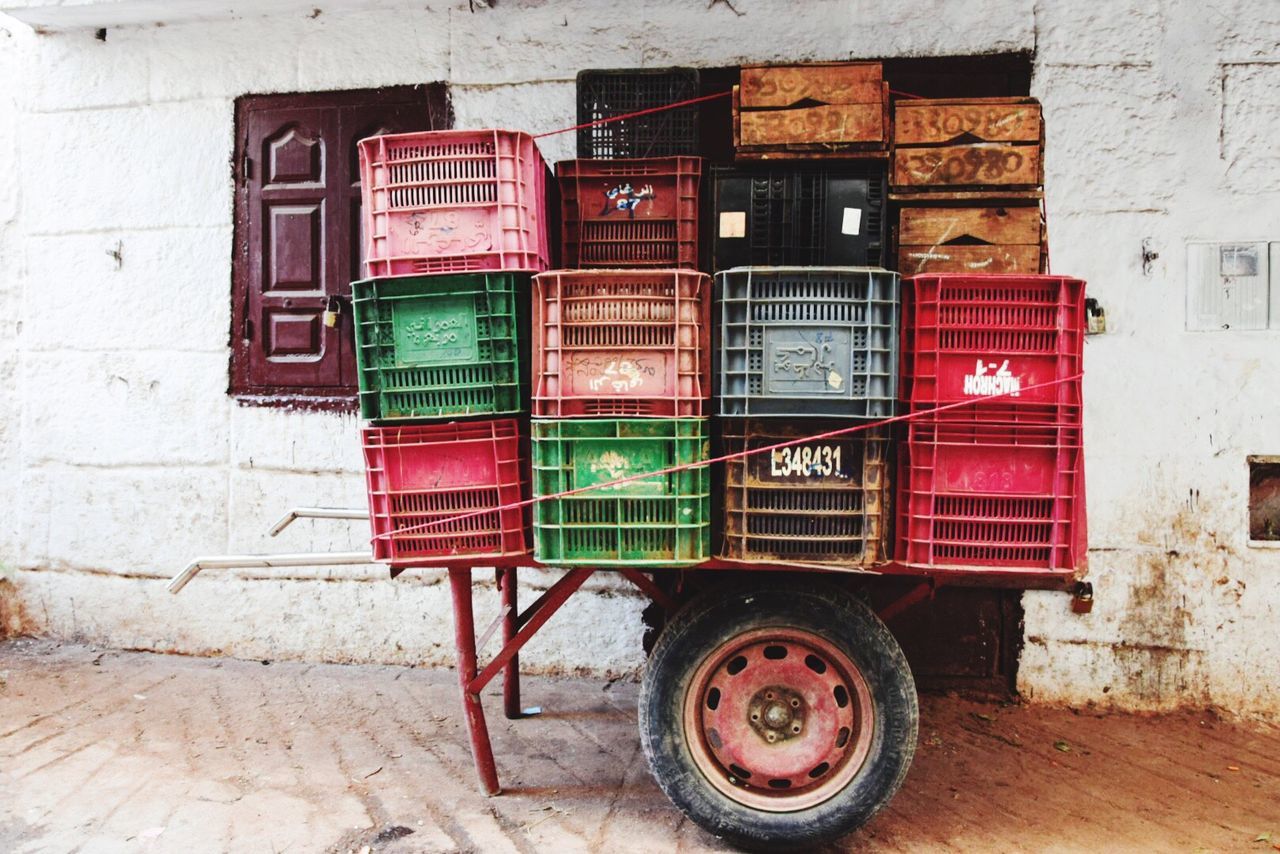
(809, 186)
(621, 377)
(967, 181)
(621, 351)
(454, 226)
(807, 351)
(996, 485)
(808, 318)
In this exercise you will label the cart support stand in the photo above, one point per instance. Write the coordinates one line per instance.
(510, 614)
(650, 589)
(464, 631)
(546, 605)
(516, 631)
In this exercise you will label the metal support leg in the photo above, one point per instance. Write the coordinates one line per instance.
(914, 596)
(510, 616)
(465, 639)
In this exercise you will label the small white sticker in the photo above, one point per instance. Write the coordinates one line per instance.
(852, 221)
(734, 223)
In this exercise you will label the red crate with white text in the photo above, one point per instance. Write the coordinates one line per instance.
(969, 337)
(630, 213)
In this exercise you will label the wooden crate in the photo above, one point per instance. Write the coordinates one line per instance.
(970, 240)
(829, 109)
(994, 143)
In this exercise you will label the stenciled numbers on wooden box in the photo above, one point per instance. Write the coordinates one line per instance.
(976, 143)
(819, 110)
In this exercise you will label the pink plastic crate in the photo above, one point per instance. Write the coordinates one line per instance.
(430, 472)
(453, 201)
(992, 497)
(621, 343)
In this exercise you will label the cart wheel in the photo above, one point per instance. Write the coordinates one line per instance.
(780, 716)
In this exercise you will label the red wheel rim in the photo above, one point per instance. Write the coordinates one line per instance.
(778, 719)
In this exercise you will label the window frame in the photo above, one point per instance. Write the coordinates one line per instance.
(434, 99)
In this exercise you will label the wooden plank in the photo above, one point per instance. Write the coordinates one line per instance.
(987, 164)
(737, 116)
(996, 225)
(843, 123)
(940, 122)
(968, 259)
(810, 152)
(993, 196)
(828, 83)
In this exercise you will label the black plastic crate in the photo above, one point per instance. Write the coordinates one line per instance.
(818, 501)
(603, 94)
(772, 215)
(820, 341)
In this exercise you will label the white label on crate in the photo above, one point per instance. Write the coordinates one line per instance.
(999, 381)
(806, 461)
(733, 224)
(852, 221)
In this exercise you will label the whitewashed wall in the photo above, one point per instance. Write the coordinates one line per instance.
(122, 456)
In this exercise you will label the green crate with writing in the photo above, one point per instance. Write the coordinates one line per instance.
(438, 346)
(655, 520)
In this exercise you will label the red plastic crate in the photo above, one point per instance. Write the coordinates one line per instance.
(992, 497)
(970, 337)
(630, 213)
(428, 472)
(616, 343)
(453, 201)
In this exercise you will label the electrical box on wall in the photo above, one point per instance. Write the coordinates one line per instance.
(1233, 286)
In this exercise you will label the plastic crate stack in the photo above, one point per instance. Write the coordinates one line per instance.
(810, 182)
(997, 485)
(805, 351)
(808, 320)
(454, 226)
(621, 350)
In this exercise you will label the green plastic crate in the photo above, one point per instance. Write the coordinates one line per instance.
(438, 346)
(654, 521)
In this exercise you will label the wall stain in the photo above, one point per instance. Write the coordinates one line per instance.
(14, 620)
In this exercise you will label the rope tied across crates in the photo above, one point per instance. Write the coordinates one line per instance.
(855, 428)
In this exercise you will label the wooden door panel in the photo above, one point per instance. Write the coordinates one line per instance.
(289, 230)
(293, 247)
(297, 231)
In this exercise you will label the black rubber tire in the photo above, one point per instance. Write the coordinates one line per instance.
(697, 630)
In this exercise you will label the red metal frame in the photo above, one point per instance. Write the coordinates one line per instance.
(516, 631)
(519, 626)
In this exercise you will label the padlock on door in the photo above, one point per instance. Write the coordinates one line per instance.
(331, 311)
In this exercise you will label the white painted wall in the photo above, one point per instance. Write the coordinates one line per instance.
(122, 456)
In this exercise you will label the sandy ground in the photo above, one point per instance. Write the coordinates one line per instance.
(117, 751)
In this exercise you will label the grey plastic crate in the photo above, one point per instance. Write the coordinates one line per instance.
(819, 341)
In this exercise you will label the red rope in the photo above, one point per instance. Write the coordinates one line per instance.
(725, 458)
(664, 107)
(905, 94)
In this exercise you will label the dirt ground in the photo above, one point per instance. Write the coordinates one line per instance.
(117, 751)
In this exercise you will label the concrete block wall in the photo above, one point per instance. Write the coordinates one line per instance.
(122, 455)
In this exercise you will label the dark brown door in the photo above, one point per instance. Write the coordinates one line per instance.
(297, 232)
